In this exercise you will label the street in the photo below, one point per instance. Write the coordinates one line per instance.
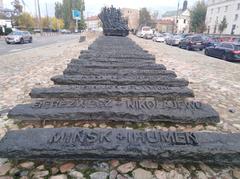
(38, 41)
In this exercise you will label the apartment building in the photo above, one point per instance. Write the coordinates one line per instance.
(93, 23)
(132, 17)
(217, 10)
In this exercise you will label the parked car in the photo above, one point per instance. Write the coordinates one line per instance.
(192, 43)
(229, 51)
(148, 36)
(65, 31)
(175, 40)
(209, 41)
(19, 37)
(168, 39)
(158, 38)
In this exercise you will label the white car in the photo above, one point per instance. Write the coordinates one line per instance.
(159, 38)
(18, 37)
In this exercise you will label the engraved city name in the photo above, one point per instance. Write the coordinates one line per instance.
(109, 103)
(119, 80)
(88, 137)
(113, 91)
(122, 144)
(108, 109)
(115, 65)
(119, 71)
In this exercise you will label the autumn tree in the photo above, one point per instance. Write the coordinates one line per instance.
(57, 23)
(25, 20)
(197, 17)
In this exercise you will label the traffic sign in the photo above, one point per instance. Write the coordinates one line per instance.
(76, 14)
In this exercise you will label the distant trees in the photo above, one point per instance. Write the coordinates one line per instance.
(197, 17)
(223, 25)
(64, 10)
(145, 17)
(25, 20)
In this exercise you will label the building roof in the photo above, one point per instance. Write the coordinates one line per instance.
(165, 22)
(92, 18)
(172, 13)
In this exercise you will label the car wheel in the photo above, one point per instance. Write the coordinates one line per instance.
(8, 42)
(21, 41)
(188, 48)
(30, 40)
(224, 57)
(206, 52)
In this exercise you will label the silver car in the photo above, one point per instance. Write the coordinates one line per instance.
(18, 37)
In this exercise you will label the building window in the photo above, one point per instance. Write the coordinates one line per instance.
(238, 6)
(236, 17)
(226, 8)
(211, 11)
(184, 21)
(177, 21)
(218, 9)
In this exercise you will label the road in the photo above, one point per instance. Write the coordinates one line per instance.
(37, 42)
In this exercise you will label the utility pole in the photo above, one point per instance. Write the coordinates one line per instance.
(47, 15)
(36, 13)
(39, 15)
(177, 18)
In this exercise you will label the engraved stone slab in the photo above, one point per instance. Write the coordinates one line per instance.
(95, 91)
(115, 65)
(113, 110)
(112, 61)
(115, 51)
(122, 144)
(110, 48)
(118, 80)
(123, 60)
(122, 55)
(118, 71)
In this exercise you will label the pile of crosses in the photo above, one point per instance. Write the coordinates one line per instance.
(113, 23)
(117, 81)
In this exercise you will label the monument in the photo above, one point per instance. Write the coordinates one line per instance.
(117, 81)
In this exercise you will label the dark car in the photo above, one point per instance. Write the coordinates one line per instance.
(210, 41)
(227, 51)
(192, 43)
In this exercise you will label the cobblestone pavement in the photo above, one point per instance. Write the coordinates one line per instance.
(213, 81)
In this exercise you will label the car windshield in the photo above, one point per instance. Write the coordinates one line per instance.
(177, 36)
(237, 47)
(16, 33)
(196, 38)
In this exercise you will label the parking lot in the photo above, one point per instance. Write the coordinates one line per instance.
(213, 80)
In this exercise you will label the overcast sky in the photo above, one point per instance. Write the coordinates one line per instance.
(93, 6)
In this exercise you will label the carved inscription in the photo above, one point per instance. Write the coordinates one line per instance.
(155, 104)
(122, 71)
(72, 103)
(120, 77)
(134, 105)
(88, 137)
(117, 87)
